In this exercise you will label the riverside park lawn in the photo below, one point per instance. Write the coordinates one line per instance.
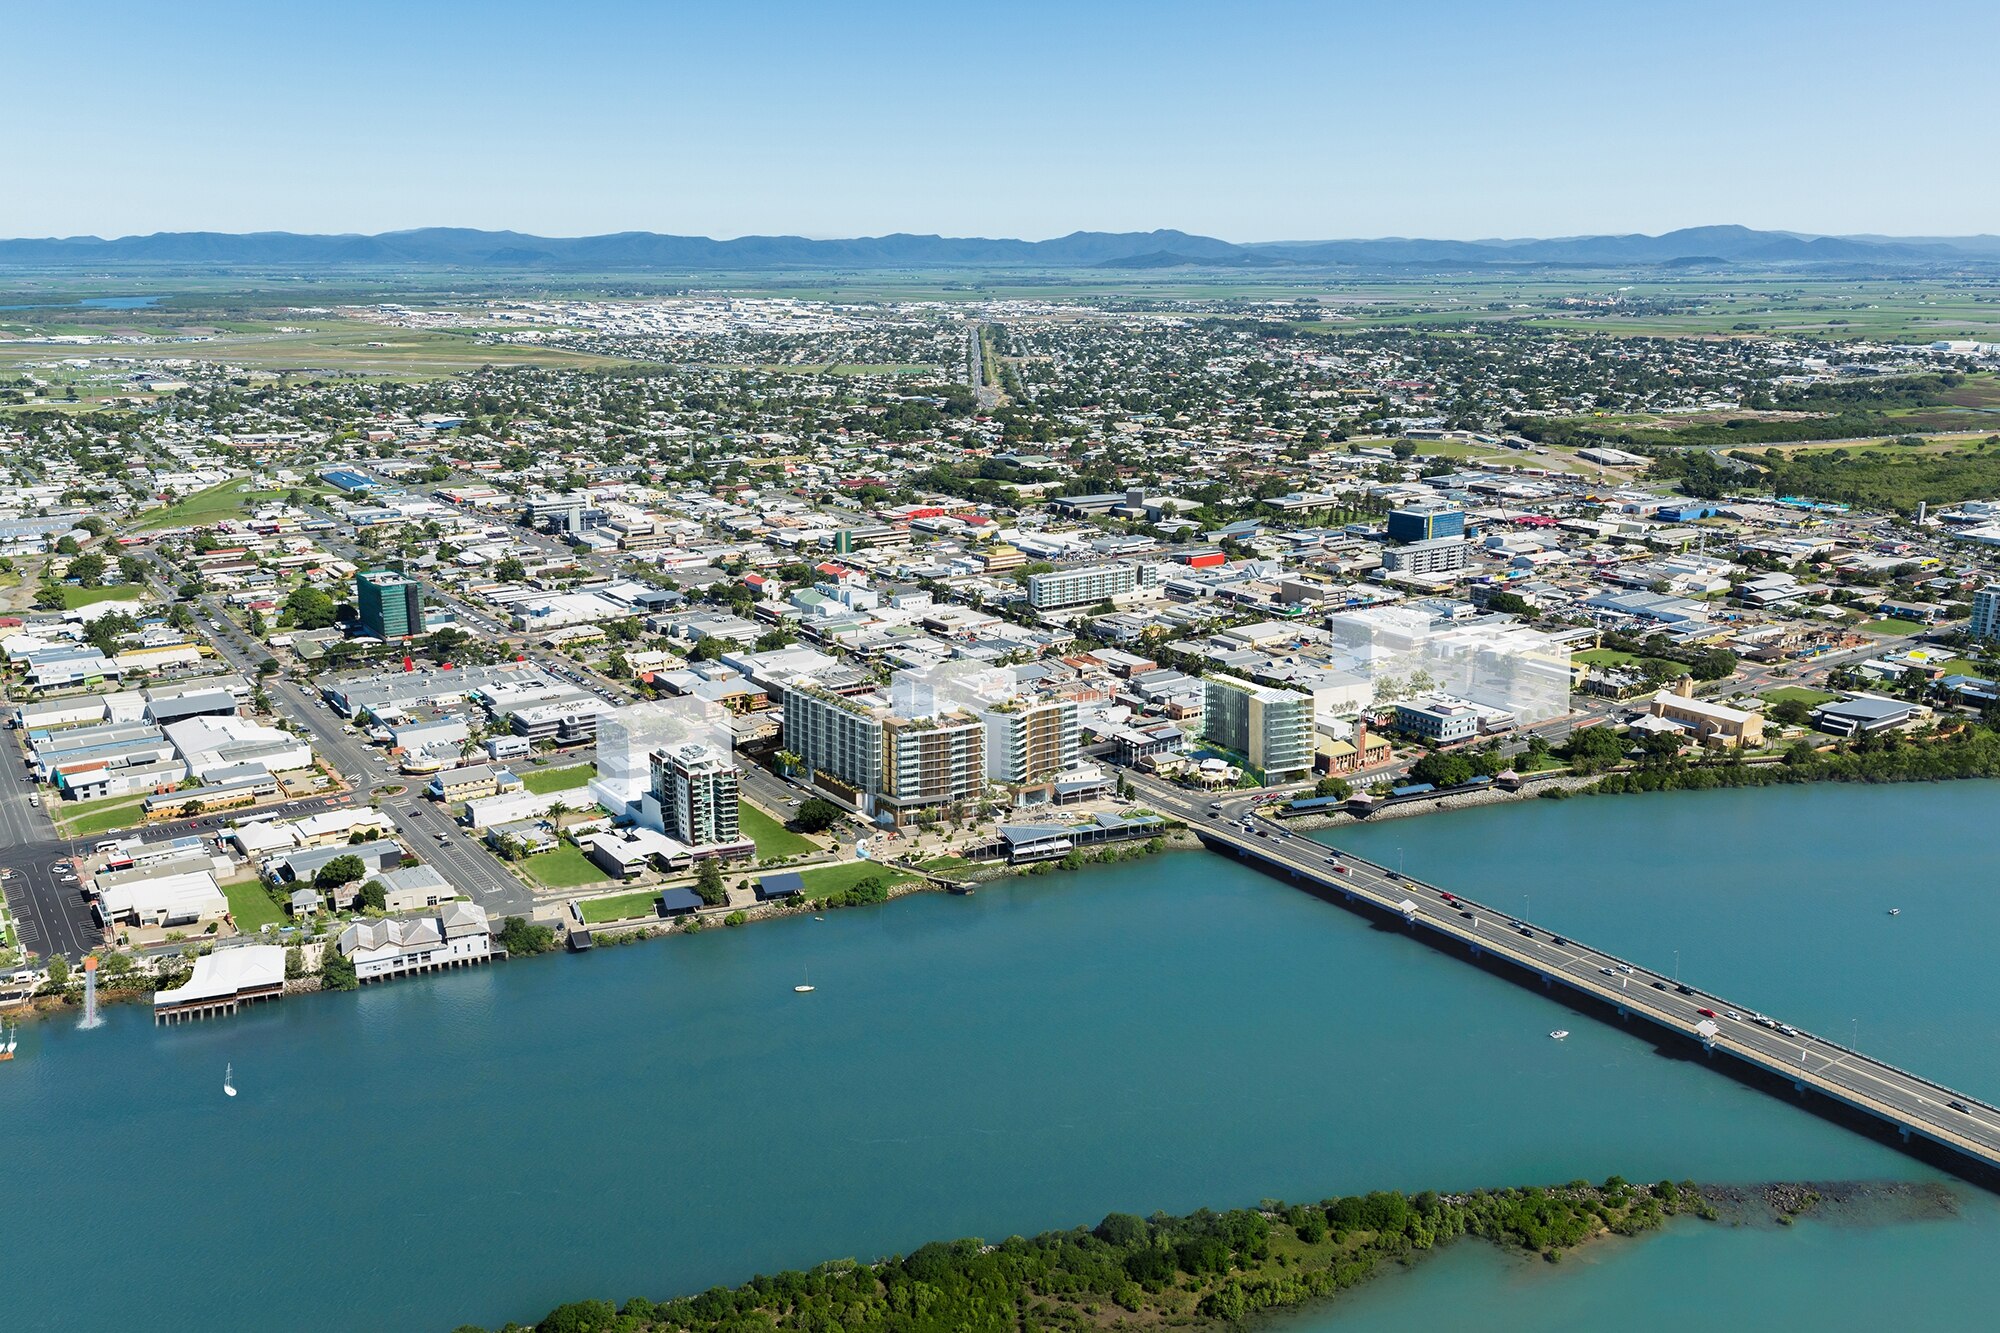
(773, 839)
(828, 880)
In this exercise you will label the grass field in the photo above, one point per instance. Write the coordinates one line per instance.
(330, 347)
(120, 592)
(545, 780)
(225, 499)
(1891, 626)
(1962, 666)
(251, 906)
(773, 839)
(1811, 698)
(84, 818)
(1605, 657)
(564, 868)
(832, 879)
(622, 907)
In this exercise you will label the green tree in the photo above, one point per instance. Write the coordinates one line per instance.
(1443, 770)
(817, 815)
(1713, 664)
(1593, 749)
(341, 870)
(510, 569)
(336, 970)
(1791, 712)
(88, 570)
(310, 608)
(708, 882)
(372, 896)
(521, 937)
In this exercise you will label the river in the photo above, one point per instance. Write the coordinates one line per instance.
(650, 1120)
(92, 303)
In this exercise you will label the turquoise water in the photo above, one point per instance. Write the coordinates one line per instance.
(1165, 1034)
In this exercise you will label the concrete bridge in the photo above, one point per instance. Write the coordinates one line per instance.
(1928, 1120)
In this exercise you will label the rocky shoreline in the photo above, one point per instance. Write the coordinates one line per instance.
(1856, 1202)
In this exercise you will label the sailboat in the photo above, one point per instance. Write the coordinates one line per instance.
(228, 1080)
(805, 987)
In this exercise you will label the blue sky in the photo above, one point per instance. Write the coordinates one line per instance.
(1250, 121)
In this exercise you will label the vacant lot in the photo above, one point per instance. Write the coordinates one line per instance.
(1811, 698)
(252, 907)
(564, 868)
(227, 499)
(84, 818)
(120, 592)
(622, 907)
(545, 780)
(773, 839)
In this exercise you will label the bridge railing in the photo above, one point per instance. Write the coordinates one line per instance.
(1398, 877)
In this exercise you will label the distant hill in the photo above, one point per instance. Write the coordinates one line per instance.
(459, 247)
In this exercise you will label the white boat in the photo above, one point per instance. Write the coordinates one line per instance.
(228, 1083)
(1895, 911)
(805, 987)
(1559, 1033)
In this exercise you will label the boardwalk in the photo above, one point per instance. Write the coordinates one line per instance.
(1925, 1117)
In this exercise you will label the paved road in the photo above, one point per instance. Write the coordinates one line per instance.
(49, 910)
(984, 395)
(1907, 1101)
(466, 865)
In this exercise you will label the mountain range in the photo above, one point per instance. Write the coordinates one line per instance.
(458, 247)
